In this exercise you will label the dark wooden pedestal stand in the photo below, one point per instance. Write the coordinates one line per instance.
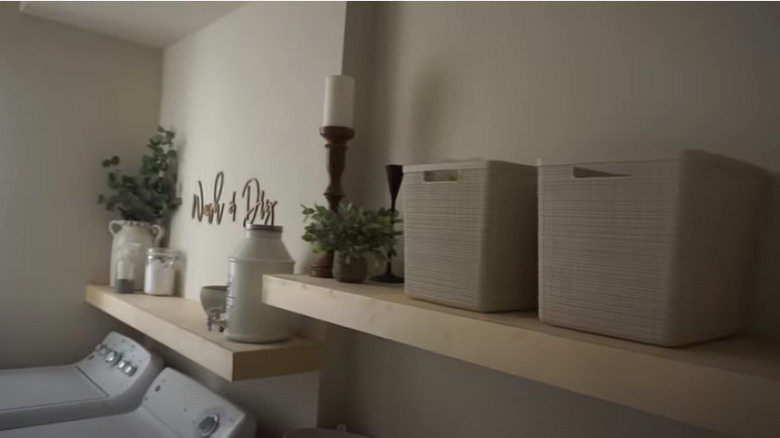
(337, 138)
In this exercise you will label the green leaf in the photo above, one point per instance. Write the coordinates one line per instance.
(353, 230)
(151, 193)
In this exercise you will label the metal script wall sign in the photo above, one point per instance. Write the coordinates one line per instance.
(254, 199)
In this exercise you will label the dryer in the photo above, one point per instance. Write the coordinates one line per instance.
(174, 406)
(110, 380)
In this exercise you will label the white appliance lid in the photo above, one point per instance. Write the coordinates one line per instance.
(138, 424)
(25, 388)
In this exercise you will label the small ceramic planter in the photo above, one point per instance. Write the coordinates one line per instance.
(213, 297)
(126, 234)
(349, 270)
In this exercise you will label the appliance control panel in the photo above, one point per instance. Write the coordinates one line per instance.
(118, 363)
(190, 409)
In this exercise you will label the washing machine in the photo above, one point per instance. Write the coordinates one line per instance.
(174, 406)
(111, 379)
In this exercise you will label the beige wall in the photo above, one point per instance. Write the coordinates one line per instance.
(246, 94)
(399, 391)
(580, 82)
(68, 99)
(565, 83)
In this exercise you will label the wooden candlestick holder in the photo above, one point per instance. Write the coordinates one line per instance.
(337, 138)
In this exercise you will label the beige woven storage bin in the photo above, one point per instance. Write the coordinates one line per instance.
(470, 234)
(652, 251)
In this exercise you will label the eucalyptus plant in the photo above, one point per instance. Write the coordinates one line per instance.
(149, 196)
(353, 231)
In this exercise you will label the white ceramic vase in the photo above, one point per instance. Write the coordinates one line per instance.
(127, 234)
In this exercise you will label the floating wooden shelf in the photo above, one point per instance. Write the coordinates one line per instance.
(730, 386)
(180, 324)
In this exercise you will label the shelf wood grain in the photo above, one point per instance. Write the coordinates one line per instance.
(180, 324)
(730, 386)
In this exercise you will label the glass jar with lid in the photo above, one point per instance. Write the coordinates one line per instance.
(160, 273)
(126, 272)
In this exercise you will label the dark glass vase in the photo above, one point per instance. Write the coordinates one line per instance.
(395, 175)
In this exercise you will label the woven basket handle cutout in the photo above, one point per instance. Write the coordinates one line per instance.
(441, 176)
(583, 172)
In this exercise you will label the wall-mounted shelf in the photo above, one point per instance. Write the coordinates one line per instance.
(730, 386)
(180, 324)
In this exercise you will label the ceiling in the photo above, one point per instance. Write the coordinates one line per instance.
(152, 24)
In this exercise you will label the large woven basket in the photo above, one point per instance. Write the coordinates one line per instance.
(470, 234)
(652, 251)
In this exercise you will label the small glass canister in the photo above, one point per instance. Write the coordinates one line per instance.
(129, 257)
(160, 273)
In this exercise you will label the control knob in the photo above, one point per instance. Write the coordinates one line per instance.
(208, 425)
(113, 357)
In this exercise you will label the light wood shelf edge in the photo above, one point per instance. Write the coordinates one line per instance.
(730, 386)
(179, 324)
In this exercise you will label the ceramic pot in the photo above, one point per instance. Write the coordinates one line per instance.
(248, 318)
(135, 237)
(349, 270)
(213, 297)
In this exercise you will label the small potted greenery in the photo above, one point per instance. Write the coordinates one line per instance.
(353, 234)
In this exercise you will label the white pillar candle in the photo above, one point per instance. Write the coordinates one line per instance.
(339, 100)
